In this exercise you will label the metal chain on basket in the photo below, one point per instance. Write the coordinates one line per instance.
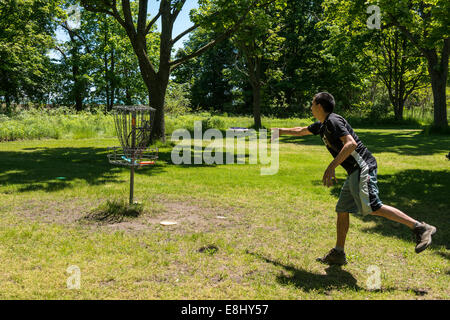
(133, 128)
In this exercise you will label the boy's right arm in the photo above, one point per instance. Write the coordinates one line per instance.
(297, 131)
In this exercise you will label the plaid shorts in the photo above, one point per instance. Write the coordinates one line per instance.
(359, 194)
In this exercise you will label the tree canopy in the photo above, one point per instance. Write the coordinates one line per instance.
(258, 57)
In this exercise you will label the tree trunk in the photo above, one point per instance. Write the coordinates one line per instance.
(157, 95)
(127, 97)
(254, 71)
(105, 60)
(400, 108)
(112, 78)
(438, 71)
(8, 103)
(156, 92)
(257, 107)
(399, 99)
(78, 102)
(438, 85)
(77, 88)
(156, 82)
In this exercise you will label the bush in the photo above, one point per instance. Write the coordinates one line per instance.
(177, 102)
(378, 111)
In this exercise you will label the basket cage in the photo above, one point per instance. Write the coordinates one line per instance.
(133, 126)
(132, 157)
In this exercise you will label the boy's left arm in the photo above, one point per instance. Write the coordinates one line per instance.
(349, 146)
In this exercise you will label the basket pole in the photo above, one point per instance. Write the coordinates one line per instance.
(133, 154)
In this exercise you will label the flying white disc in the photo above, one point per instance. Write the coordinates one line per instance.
(168, 223)
(221, 217)
(238, 129)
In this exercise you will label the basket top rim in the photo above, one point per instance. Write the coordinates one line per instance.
(133, 108)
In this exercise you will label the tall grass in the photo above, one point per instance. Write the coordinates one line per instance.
(62, 123)
(225, 121)
(55, 124)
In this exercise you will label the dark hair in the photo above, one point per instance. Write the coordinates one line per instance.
(326, 100)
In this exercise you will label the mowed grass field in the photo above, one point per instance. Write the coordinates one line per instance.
(240, 235)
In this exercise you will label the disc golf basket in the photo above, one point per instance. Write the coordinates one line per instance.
(133, 127)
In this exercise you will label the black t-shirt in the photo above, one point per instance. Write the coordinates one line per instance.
(335, 127)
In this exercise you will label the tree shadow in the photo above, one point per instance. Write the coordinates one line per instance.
(335, 277)
(54, 169)
(445, 255)
(195, 160)
(409, 142)
(421, 194)
(406, 143)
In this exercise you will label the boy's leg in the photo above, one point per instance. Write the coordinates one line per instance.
(336, 256)
(422, 231)
(371, 204)
(396, 215)
(342, 224)
(346, 204)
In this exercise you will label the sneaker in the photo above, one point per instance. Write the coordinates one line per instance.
(334, 257)
(423, 233)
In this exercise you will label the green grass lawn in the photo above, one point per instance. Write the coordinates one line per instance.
(265, 247)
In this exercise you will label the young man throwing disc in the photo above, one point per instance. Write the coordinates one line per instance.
(359, 194)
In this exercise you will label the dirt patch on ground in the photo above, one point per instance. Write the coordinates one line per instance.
(191, 216)
(63, 211)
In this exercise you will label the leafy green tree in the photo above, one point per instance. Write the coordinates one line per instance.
(258, 41)
(425, 23)
(399, 65)
(344, 52)
(208, 88)
(229, 13)
(315, 56)
(76, 65)
(98, 65)
(116, 73)
(26, 29)
(295, 61)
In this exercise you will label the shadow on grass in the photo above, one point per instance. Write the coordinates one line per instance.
(114, 211)
(421, 194)
(195, 157)
(405, 142)
(55, 169)
(335, 277)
